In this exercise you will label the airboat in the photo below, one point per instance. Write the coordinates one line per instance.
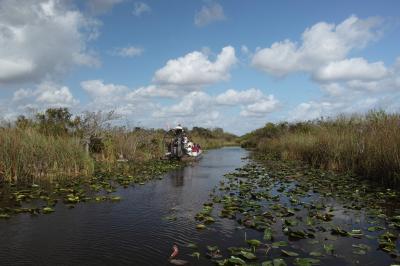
(178, 146)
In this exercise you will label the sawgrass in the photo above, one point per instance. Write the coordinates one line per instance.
(367, 145)
(29, 156)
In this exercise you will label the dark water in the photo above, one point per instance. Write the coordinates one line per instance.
(134, 231)
(137, 231)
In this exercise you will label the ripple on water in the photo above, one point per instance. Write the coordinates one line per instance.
(133, 231)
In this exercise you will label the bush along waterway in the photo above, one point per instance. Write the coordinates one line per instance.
(226, 209)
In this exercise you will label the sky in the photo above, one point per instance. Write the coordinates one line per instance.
(233, 64)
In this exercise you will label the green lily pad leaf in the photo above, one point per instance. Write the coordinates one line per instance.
(268, 234)
(339, 231)
(375, 228)
(361, 246)
(4, 216)
(209, 220)
(200, 226)
(279, 262)
(267, 263)
(47, 210)
(212, 248)
(236, 261)
(297, 234)
(289, 253)
(329, 248)
(248, 255)
(253, 242)
(279, 244)
(357, 233)
(306, 261)
(359, 252)
(191, 245)
(170, 218)
(290, 222)
(115, 198)
(316, 254)
(196, 255)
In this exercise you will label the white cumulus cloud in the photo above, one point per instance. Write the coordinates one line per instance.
(40, 38)
(321, 44)
(234, 97)
(190, 105)
(261, 107)
(195, 69)
(351, 69)
(46, 94)
(139, 8)
(129, 51)
(98, 90)
(209, 13)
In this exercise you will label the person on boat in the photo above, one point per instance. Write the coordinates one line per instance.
(178, 129)
(195, 147)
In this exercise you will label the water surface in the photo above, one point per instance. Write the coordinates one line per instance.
(150, 218)
(135, 231)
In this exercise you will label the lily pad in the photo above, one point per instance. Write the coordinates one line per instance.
(196, 255)
(248, 255)
(191, 245)
(236, 261)
(4, 216)
(306, 261)
(375, 228)
(47, 210)
(115, 198)
(253, 242)
(200, 226)
(212, 248)
(329, 248)
(289, 253)
(279, 262)
(279, 244)
(268, 234)
(316, 254)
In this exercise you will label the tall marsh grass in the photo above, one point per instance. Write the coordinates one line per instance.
(367, 145)
(29, 156)
(55, 144)
(137, 145)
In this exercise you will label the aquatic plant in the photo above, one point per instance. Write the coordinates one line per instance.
(303, 203)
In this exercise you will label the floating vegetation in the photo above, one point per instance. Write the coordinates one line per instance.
(300, 213)
(46, 210)
(98, 188)
(200, 226)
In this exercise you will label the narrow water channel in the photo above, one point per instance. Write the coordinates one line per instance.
(139, 230)
(142, 228)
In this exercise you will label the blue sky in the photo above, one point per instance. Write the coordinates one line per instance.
(231, 64)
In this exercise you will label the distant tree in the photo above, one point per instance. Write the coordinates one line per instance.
(54, 121)
(92, 124)
(22, 122)
(201, 132)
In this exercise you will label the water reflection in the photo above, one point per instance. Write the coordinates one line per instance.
(177, 178)
(135, 231)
